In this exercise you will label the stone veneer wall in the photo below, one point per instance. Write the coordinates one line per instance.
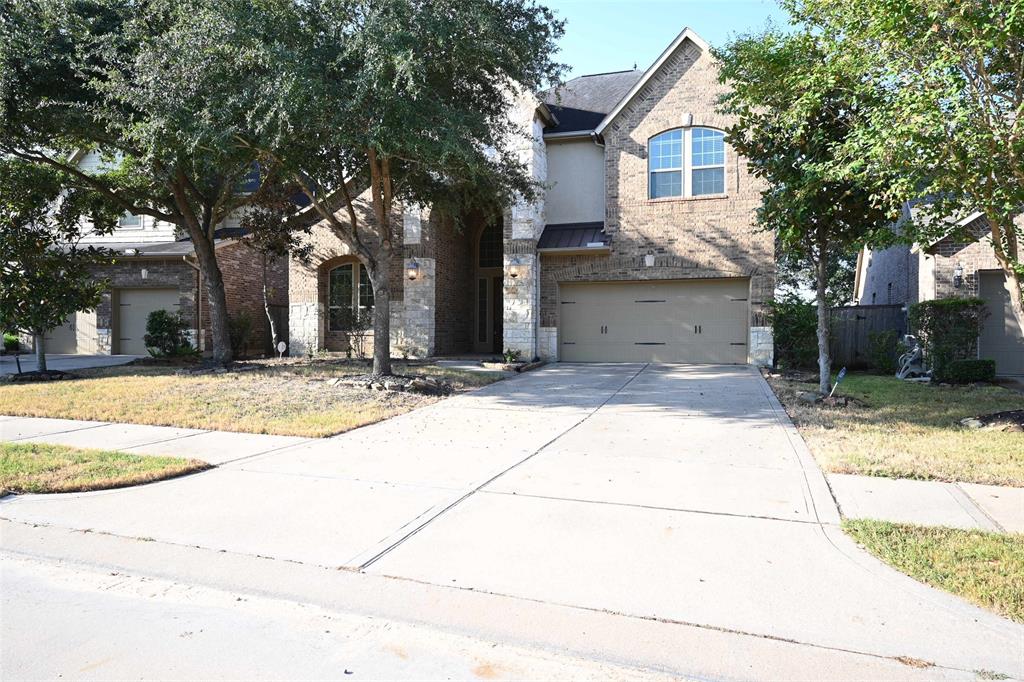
(701, 237)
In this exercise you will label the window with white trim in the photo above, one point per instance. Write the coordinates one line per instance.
(130, 221)
(349, 292)
(686, 162)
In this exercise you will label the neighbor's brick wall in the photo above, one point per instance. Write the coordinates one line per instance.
(691, 238)
(974, 256)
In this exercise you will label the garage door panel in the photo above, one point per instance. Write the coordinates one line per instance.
(703, 321)
(1001, 338)
(134, 307)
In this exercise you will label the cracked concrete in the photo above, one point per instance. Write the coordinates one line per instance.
(675, 495)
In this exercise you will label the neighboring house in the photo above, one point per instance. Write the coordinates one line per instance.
(156, 269)
(948, 267)
(643, 248)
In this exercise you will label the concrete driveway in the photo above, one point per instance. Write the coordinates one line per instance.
(65, 363)
(676, 494)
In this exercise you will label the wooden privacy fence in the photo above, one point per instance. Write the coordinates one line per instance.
(852, 325)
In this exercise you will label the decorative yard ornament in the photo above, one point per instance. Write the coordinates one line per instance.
(839, 377)
(412, 270)
(281, 348)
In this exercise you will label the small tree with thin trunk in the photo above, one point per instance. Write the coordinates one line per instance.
(378, 104)
(45, 275)
(793, 113)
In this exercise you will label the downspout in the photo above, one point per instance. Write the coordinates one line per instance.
(200, 336)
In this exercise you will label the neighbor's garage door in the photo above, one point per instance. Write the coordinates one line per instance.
(703, 321)
(133, 309)
(1001, 337)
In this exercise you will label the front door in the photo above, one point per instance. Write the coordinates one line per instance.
(487, 323)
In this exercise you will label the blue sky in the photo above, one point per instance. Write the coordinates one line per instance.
(610, 35)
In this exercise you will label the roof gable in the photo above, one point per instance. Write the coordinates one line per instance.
(686, 34)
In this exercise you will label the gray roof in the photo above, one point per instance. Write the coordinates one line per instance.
(582, 102)
(154, 249)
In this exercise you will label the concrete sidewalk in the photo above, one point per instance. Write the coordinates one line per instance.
(215, 447)
(993, 508)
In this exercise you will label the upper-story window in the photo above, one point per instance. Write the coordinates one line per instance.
(686, 162)
(130, 221)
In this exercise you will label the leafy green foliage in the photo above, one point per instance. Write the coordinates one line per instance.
(45, 274)
(794, 323)
(11, 342)
(794, 111)
(883, 350)
(166, 335)
(511, 355)
(969, 371)
(949, 79)
(948, 330)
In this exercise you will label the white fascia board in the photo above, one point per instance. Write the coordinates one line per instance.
(686, 34)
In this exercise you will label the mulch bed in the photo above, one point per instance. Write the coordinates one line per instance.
(36, 375)
(1010, 420)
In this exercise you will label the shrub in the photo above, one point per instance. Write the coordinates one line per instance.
(511, 355)
(968, 371)
(795, 326)
(11, 342)
(948, 330)
(239, 333)
(883, 350)
(354, 326)
(166, 334)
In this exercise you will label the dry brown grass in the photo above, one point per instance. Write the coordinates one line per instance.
(909, 430)
(291, 398)
(43, 468)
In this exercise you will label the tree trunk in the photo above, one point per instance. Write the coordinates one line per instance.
(380, 279)
(266, 309)
(216, 301)
(40, 352)
(1016, 296)
(824, 362)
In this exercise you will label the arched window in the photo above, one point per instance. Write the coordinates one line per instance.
(686, 162)
(490, 246)
(349, 293)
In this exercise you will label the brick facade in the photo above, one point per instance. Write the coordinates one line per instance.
(242, 270)
(700, 237)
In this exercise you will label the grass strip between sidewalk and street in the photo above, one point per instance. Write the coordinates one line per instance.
(986, 569)
(44, 468)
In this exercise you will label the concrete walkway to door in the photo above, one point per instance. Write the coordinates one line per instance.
(676, 494)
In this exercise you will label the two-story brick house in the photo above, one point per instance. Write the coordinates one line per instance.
(156, 269)
(642, 248)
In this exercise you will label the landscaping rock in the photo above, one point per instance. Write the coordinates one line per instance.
(1011, 421)
(972, 423)
(28, 377)
(808, 397)
(836, 401)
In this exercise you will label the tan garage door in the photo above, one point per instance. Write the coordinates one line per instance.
(63, 339)
(1001, 338)
(133, 309)
(703, 321)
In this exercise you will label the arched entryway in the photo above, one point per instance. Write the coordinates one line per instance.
(488, 288)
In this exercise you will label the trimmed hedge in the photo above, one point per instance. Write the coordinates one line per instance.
(969, 371)
(948, 330)
(795, 327)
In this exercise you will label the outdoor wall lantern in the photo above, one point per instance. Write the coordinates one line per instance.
(649, 260)
(515, 267)
(958, 275)
(412, 270)
(144, 273)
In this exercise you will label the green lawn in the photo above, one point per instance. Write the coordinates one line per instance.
(984, 568)
(909, 430)
(41, 468)
(298, 398)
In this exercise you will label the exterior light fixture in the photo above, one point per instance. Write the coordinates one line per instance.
(515, 267)
(958, 275)
(144, 273)
(412, 270)
(649, 260)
